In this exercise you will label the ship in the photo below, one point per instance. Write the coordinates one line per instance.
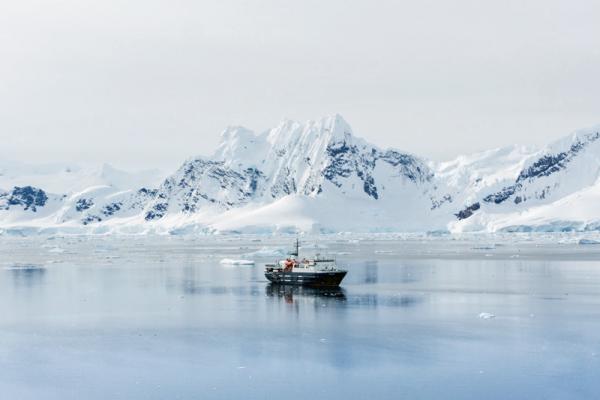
(312, 272)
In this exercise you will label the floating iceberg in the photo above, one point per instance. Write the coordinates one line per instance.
(588, 241)
(230, 261)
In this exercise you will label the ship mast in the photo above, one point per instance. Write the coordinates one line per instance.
(296, 252)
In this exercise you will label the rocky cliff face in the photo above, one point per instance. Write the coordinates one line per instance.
(543, 177)
(291, 159)
(332, 174)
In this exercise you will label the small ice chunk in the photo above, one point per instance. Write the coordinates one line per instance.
(383, 251)
(56, 250)
(25, 267)
(236, 262)
(588, 241)
(314, 246)
(486, 315)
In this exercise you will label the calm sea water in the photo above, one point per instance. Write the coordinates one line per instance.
(161, 318)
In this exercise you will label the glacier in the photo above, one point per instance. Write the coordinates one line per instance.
(315, 177)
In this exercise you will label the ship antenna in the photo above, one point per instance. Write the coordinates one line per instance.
(295, 253)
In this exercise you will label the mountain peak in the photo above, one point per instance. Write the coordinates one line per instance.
(321, 168)
(332, 127)
(337, 123)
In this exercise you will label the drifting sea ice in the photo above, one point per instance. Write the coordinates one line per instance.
(24, 267)
(315, 246)
(230, 261)
(485, 247)
(588, 241)
(267, 252)
(190, 313)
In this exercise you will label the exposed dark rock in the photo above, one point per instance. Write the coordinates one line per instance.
(370, 188)
(83, 204)
(148, 192)
(468, 211)
(27, 196)
(158, 211)
(341, 163)
(110, 209)
(198, 176)
(90, 218)
(409, 166)
(551, 163)
(254, 176)
(502, 195)
(345, 160)
(438, 203)
(546, 165)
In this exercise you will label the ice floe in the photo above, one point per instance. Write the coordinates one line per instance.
(24, 267)
(588, 241)
(230, 261)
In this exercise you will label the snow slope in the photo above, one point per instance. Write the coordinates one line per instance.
(59, 178)
(315, 176)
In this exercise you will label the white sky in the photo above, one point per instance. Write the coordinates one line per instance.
(143, 83)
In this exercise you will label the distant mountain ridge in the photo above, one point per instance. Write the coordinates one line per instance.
(318, 176)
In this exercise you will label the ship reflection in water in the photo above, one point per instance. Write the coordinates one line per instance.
(289, 292)
(27, 276)
(337, 296)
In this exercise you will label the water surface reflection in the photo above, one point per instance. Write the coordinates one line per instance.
(166, 320)
(288, 292)
(27, 275)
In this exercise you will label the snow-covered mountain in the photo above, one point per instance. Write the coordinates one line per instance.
(316, 177)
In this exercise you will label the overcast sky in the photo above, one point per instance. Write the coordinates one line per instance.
(143, 83)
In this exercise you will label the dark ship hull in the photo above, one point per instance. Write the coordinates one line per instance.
(312, 279)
